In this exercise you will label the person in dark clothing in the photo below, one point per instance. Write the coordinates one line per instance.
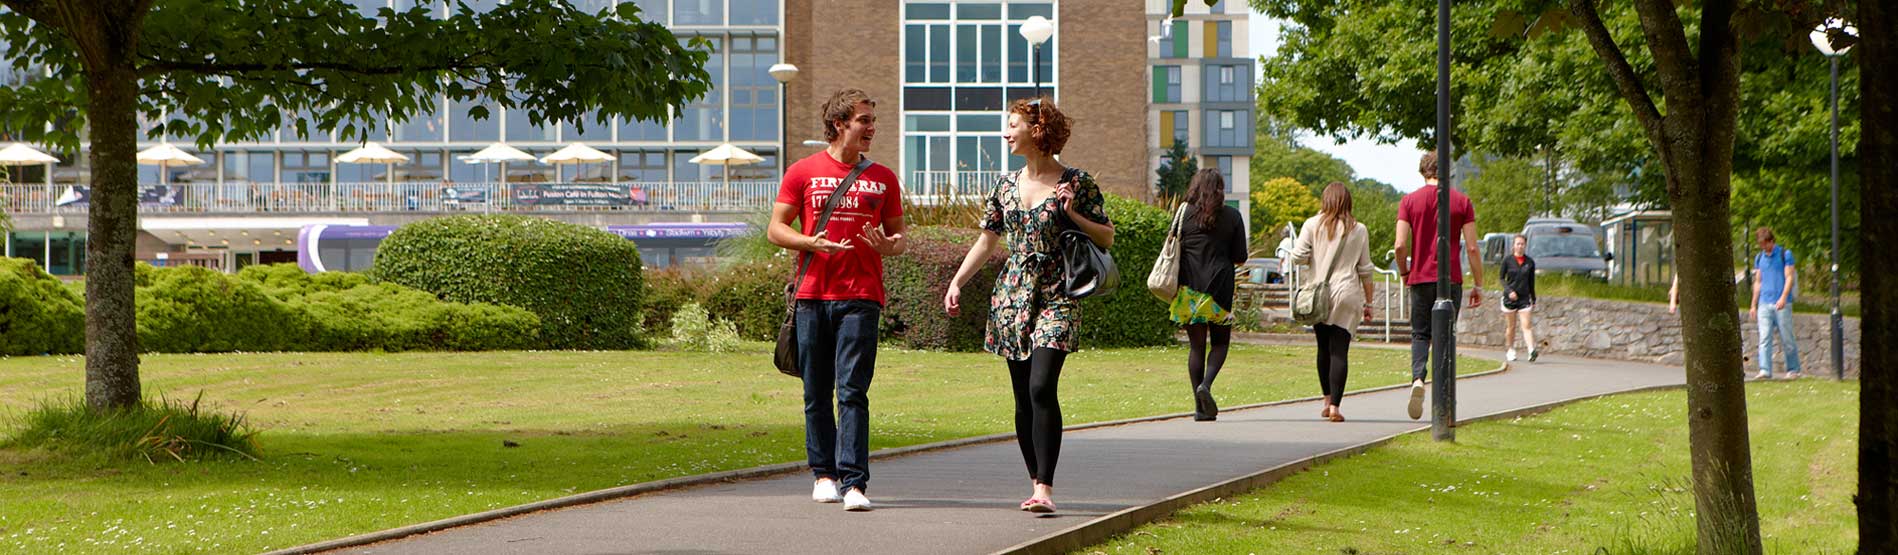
(1519, 298)
(1212, 243)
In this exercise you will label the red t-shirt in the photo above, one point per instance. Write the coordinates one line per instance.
(1419, 208)
(856, 273)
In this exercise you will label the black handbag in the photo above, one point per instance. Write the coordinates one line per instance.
(785, 357)
(1087, 270)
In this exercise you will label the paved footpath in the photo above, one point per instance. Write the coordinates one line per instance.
(964, 500)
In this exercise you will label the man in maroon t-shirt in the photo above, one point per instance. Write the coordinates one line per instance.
(840, 298)
(1417, 225)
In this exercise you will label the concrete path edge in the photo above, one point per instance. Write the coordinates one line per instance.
(684, 482)
(1106, 527)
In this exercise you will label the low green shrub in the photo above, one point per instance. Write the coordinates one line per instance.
(389, 317)
(191, 309)
(694, 330)
(750, 296)
(38, 314)
(153, 431)
(667, 290)
(585, 284)
(1131, 316)
(916, 282)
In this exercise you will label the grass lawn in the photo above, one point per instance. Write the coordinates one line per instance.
(1608, 476)
(354, 443)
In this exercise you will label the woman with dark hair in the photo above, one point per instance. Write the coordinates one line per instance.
(1032, 320)
(1337, 248)
(1212, 244)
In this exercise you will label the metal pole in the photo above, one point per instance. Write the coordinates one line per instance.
(1037, 71)
(1443, 312)
(1838, 321)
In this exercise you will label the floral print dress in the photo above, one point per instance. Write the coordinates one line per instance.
(1028, 309)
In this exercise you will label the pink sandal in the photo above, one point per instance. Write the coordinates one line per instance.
(1038, 506)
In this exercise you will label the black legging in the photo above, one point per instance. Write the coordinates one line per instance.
(1038, 410)
(1203, 365)
(1334, 350)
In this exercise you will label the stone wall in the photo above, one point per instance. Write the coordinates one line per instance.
(1646, 332)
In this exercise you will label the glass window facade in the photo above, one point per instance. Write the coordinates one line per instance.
(963, 62)
(1228, 128)
(1227, 83)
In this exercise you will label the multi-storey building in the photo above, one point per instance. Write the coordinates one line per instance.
(1202, 90)
(942, 71)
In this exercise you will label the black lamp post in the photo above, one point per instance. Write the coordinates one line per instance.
(1822, 38)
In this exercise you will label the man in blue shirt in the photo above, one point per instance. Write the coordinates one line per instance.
(1773, 281)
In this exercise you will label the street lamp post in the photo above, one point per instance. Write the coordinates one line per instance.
(1822, 38)
(1443, 312)
(1037, 30)
(784, 73)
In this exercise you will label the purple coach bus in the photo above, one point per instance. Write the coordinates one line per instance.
(352, 248)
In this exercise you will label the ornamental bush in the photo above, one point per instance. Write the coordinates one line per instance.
(584, 284)
(916, 281)
(38, 314)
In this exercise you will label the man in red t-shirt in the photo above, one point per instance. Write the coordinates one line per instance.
(1417, 225)
(840, 299)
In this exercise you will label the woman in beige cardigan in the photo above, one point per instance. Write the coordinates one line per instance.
(1335, 240)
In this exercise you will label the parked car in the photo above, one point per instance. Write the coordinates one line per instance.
(1260, 271)
(1562, 245)
(1495, 246)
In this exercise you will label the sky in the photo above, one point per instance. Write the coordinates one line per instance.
(1393, 164)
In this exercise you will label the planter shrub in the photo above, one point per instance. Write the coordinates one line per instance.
(191, 309)
(750, 296)
(38, 314)
(915, 284)
(584, 284)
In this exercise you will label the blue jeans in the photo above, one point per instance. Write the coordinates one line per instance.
(837, 350)
(1777, 323)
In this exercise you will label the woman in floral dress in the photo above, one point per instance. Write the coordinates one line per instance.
(1032, 321)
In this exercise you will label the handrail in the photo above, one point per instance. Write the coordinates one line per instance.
(1393, 280)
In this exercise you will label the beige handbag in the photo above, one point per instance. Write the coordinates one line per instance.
(1164, 280)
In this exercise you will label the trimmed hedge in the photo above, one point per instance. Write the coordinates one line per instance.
(585, 284)
(1131, 316)
(751, 296)
(348, 312)
(38, 314)
(916, 281)
(192, 309)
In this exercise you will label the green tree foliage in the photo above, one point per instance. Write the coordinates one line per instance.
(1374, 203)
(238, 70)
(1501, 189)
(1526, 83)
(1176, 173)
(1275, 158)
(1280, 201)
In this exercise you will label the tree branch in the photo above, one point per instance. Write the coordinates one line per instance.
(1626, 80)
(32, 9)
(1667, 39)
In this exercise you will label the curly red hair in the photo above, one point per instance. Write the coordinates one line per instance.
(1047, 126)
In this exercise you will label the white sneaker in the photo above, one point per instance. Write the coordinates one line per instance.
(1511, 355)
(826, 492)
(1416, 399)
(855, 501)
(1762, 376)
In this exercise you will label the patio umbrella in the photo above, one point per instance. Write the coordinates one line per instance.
(20, 154)
(166, 156)
(498, 153)
(373, 153)
(727, 155)
(576, 153)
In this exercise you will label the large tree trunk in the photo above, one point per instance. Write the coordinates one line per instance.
(1878, 236)
(1695, 141)
(106, 34)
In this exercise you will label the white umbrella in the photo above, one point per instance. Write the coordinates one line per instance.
(577, 153)
(372, 153)
(165, 156)
(22, 154)
(727, 155)
(498, 153)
